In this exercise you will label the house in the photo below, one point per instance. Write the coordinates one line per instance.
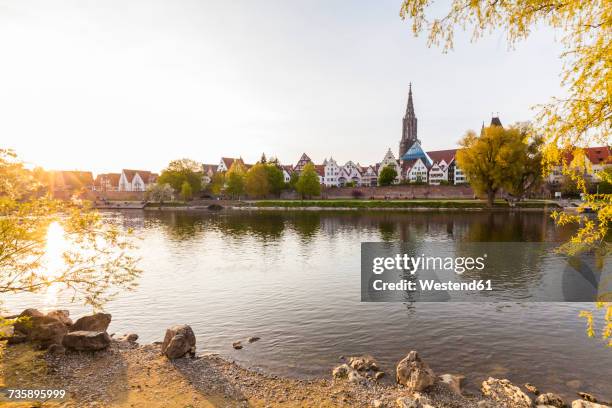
(443, 166)
(71, 180)
(389, 160)
(415, 170)
(136, 180)
(331, 172)
(226, 163)
(303, 161)
(320, 169)
(107, 182)
(593, 161)
(369, 176)
(208, 172)
(287, 172)
(351, 173)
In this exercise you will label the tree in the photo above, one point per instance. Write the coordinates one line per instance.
(256, 181)
(525, 173)
(235, 180)
(217, 183)
(160, 193)
(308, 183)
(179, 171)
(293, 179)
(186, 191)
(492, 160)
(97, 264)
(276, 179)
(387, 176)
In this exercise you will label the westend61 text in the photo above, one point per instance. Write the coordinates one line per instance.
(431, 285)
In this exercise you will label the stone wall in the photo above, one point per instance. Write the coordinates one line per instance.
(394, 192)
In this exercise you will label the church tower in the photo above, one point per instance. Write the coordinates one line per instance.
(409, 128)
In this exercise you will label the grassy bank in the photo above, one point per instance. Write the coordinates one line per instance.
(373, 204)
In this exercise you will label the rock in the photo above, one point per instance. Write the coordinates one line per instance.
(85, 340)
(179, 340)
(532, 388)
(504, 392)
(130, 337)
(587, 397)
(379, 375)
(15, 338)
(355, 378)
(377, 404)
(550, 399)
(97, 322)
(414, 373)
(587, 404)
(341, 371)
(253, 339)
(363, 363)
(453, 381)
(61, 315)
(37, 326)
(237, 345)
(407, 402)
(56, 349)
(485, 404)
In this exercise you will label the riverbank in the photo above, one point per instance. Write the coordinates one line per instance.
(370, 205)
(111, 371)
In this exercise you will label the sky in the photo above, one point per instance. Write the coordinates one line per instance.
(106, 85)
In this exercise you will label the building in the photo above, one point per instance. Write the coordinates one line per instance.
(208, 172)
(136, 180)
(304, 160)
(107, 182)
(593, 161)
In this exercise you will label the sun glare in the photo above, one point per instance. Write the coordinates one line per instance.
(53, 261)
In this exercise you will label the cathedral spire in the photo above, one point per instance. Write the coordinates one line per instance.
(409, 126)
(410, 105)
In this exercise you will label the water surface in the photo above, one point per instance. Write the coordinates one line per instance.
(293, 279)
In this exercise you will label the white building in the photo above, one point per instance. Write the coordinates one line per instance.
(136, 180)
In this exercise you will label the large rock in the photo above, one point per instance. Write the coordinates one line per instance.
(179, 340)
(97, 322)
(414, 373)
(37, 326)
(550, 399)
(84, 340)
(587, 404)
(505, 393)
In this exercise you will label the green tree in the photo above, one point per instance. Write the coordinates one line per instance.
(97, 264)
(256, 181)
(276, 179)
(308, 184)
(179, 171)
(217, 183)
(235, 180)
(160, 193)
(295, 176)
(387, 176)
(186, 191)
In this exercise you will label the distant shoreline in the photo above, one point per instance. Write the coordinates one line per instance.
(357, 205)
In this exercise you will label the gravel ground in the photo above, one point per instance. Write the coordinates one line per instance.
(129, 375)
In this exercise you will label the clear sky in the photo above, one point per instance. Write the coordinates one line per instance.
(105, 85)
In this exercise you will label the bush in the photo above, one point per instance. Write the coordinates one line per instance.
(357, 193)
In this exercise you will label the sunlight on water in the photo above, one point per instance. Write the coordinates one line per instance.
(53, 263)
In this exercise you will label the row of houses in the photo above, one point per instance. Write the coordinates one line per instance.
(127, 180)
